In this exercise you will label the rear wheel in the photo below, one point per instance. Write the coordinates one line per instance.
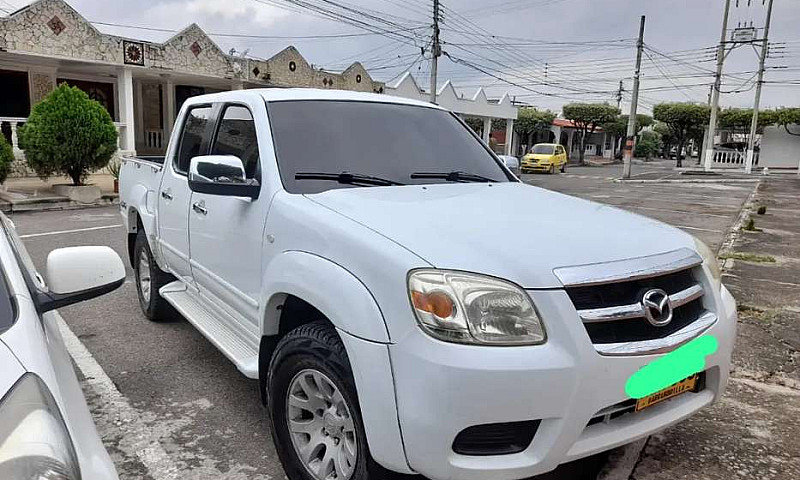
(313, 406)
(149, 279)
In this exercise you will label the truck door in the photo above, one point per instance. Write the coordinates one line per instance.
(174, 194)
(226, 233)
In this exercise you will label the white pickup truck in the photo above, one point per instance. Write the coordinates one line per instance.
(406, 303)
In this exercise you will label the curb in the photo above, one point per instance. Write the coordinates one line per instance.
(704, 180)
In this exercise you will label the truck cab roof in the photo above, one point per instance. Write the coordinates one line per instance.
(295, 94)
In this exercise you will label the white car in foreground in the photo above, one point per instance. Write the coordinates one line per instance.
(46, 430)
(405, 301)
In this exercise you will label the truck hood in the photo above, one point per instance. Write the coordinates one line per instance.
(508, 230)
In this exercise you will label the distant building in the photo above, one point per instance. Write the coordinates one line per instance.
(142, 84)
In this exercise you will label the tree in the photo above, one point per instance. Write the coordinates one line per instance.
(68, 133)
(786, 117)
(587, 117)
(530, 121)
(667, 139)
(739, 120)
(618, 128)
(648, 145)
(6, 158)
(684, 120)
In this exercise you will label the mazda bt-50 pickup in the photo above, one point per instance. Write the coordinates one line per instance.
(377, 267)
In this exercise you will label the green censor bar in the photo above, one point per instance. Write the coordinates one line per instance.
(671, 368)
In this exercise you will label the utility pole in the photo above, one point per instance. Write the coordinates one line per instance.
(437, 50)
(748, 166)
(708, 155)
(619, 93)
(631, 137)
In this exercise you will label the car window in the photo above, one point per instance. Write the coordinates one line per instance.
(385, 140)
(191, 137)
(237, 136)
(542, 149)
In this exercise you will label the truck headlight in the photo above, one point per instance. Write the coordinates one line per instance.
(709, 259)
(34, 442)
(469, 308)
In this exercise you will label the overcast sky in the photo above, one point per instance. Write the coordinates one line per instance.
(575, 71)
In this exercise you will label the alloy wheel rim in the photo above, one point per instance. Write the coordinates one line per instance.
(144, 276)
(321, 426)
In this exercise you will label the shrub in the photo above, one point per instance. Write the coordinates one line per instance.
(648, 145)
(6, 158)
(68, 133)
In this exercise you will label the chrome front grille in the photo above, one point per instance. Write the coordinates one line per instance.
(611, 305)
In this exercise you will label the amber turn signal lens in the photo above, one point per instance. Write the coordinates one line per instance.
(436, 303)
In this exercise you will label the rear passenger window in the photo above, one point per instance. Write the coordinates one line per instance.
(192, 136)
(237, 136)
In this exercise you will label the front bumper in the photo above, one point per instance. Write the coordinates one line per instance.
(444, 388)
(536, 167)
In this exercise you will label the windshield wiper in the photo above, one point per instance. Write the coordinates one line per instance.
(456, 176)
(346, 178)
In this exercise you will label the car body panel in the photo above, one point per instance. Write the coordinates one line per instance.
(38, 345)
(478, 220)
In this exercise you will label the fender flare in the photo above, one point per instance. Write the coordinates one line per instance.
(345, 301)
(139, 210)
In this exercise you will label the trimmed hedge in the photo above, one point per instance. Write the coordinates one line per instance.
(69, 134)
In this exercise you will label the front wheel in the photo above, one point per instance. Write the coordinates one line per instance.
(313, 406)
(552, 169)
(564, 168)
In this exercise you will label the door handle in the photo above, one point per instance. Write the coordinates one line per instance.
(166, 195)
(199, 208)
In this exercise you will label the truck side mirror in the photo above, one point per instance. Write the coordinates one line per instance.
(76, 274)
(221, 175)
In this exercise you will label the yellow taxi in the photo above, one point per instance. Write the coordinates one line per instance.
(545, 157)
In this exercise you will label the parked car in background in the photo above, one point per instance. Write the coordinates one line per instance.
(364, 275)
(46, 430)
(545, 157)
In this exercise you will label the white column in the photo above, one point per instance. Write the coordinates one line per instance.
(509, 136)
(14, 139)
(126, 110)
(169, 107)
(487, 129)
(138, 98)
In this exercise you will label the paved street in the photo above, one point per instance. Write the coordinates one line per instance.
(203, 417)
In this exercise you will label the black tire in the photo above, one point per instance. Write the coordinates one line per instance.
(314, 346)
(552, 170)
(564, 168)
(153, 306)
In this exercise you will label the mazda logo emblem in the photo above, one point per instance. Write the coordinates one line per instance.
(657, 307)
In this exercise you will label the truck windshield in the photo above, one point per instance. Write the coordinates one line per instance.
(380, 140)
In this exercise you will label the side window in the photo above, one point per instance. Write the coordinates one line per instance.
(237, 136)
(192, 136)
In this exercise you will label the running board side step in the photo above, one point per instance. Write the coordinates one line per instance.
(229, 342)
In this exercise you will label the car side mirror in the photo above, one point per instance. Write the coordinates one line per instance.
(76, 274)
(221, 175)
(511, 162)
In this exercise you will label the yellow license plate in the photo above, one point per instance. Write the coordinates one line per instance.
(670, 392)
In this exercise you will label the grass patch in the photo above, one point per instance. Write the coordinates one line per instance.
(749, 257)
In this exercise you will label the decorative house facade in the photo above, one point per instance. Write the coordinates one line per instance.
(142, 84)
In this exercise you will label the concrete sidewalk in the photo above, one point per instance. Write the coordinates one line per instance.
(34, 194)
(753, 431)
